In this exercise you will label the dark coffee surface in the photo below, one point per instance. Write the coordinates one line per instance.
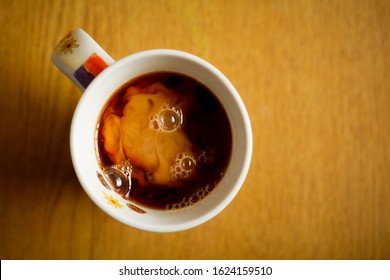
(175, 134)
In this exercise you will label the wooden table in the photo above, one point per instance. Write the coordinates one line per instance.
(314, 75)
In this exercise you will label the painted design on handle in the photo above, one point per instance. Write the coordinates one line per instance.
(90, 69)
(80, 58)
(68, 44)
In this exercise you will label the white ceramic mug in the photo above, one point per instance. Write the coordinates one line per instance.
(99, 76)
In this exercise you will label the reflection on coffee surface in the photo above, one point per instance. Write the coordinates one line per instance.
(164, 141)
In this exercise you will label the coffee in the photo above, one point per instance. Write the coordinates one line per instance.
(163, 141)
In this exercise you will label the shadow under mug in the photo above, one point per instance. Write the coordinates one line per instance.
(98, 76)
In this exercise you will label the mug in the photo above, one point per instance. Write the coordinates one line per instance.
(98, 76)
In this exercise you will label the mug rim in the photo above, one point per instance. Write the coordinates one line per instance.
(238, 180)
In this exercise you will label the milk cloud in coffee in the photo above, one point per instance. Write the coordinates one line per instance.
(164, 140)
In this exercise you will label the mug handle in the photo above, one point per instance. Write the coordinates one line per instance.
(80, 58)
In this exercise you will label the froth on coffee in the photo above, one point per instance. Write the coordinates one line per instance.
(163, 141)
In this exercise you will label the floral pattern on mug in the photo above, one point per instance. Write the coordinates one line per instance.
(112, 201)
(68, 44)
(135, 208)
(101, 179)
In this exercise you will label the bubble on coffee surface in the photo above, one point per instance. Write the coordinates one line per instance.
(191, 199)
(184, 166)
(206, 156)
(169, 118)
(118, 177)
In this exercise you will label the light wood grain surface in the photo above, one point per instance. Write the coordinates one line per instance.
(314, 75)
